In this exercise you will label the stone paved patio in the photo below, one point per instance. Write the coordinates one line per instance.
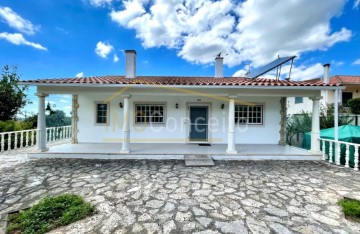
(165, 196)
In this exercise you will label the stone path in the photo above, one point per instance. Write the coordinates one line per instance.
(167, 197)
(14, 157)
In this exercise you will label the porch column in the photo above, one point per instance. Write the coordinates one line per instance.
(41, 124)
(126, 126)
(231, 130)
(336, 127)
(315, 125)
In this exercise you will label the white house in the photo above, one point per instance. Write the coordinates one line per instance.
(296, 105)
(131, 110)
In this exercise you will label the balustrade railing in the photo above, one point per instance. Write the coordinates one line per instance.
(26, 138)
(340, 153)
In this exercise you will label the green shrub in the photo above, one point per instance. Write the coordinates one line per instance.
(351, 208)
(50, 213)
(354, 105)
(12, 125)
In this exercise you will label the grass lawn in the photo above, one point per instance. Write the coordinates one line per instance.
(351, 208)
(49, 213)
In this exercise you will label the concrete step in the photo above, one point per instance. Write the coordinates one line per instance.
(192, 160)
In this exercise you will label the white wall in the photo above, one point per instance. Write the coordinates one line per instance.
(175, 130)
(297, 108)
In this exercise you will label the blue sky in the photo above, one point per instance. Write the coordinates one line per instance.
(68, 38)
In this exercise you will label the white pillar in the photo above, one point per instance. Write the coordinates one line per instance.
(126, 126)
(41, 123)
(315, 125)
(336, 127)
(231, 130)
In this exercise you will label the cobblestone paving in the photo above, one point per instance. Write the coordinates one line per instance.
(167, 197)
(14, 157)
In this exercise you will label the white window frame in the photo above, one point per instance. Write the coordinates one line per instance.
(248, 112)
(163, 104)
(96, 103)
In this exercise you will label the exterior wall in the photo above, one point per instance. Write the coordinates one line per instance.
(175, 130)
(296, 108)
(328, 98)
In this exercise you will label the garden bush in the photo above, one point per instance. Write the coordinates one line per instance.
(50, 213)
(351, 208)
(354, 105)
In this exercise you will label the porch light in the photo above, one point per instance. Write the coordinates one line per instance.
(222, 106)
(176, 105)
(121, 105)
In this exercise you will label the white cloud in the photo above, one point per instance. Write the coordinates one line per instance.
(255, 31)
(64, 101)
(99, 3)
(16, 21)
(356, 62)
(103, 49)
(18, 39)
(337, 63)
(80, 74)
(116, 58)
(356, 4)
(305, 72)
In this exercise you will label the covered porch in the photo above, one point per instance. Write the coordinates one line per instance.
(176, 151)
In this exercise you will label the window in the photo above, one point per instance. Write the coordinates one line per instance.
(102, 113)
(299, 100)
(249, 114)
(149, 113)
(346, 96)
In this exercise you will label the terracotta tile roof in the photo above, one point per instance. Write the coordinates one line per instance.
(340, 79)
(344, 79)
(177, 80)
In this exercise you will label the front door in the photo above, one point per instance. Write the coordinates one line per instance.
(198, 123)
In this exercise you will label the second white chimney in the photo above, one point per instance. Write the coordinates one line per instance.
(326, 78)
(130, 66)
(219, 61)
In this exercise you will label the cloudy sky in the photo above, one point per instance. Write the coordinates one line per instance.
(75, 38)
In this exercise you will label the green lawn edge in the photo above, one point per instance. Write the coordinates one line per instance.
(50, 213)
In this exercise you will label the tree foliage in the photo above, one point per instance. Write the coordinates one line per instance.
(57, 118)
(354, 105)
(12, 95)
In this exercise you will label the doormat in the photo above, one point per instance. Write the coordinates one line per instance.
(204, 144)
(198, 161)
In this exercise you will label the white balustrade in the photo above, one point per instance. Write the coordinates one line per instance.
(26, 138)
(337, 153)
(330, 152)
(347, 155)
(356, 158)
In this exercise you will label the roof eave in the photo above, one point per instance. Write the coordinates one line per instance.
(340, 87)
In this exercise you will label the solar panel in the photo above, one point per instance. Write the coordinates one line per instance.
(268, 67)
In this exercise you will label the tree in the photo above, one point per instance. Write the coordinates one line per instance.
(354, 105)
(57, 118)
(12, 95)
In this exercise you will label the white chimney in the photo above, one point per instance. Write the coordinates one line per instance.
(130, 67)
(326, 78)
(219, 66)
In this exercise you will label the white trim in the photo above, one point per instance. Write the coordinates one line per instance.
(107, 113)
(252, 124)
(190, 86)
(150, 123)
